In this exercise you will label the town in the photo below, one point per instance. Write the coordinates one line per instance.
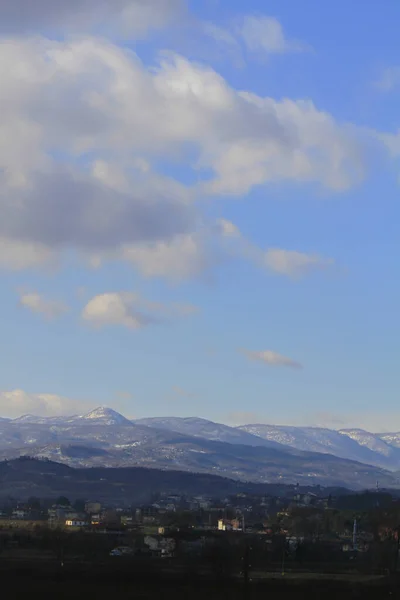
(354, 532)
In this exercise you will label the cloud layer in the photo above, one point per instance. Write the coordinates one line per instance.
(86, 123)
(133, 18)
(18, 402)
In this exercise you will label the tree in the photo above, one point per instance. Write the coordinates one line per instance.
(79, 505)
(34, 503)
(63, 501)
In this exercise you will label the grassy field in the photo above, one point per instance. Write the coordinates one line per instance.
(193, 590)
(24, 578)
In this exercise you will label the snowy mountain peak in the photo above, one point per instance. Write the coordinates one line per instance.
(107, 416)
(27, 419)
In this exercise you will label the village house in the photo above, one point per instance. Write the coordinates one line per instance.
(229, 525)
(20, 513)
(76, 523)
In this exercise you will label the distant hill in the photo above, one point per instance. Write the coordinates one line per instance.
(26, 477)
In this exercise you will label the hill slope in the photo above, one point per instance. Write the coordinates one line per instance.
(27, 477)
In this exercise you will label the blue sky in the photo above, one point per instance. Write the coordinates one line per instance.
(199, 211)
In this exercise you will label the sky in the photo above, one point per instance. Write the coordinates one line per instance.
(199, 210)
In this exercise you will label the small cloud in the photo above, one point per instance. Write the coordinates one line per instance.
(226, 40)
(219, 34)
(265, 34)
(269, 357)
(294, 264)
(130, 310)
(116, 309)
(390, 79)
(257, 33)
(228, 229)
(38, 304)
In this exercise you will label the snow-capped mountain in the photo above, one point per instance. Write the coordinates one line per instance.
(393, 439)
(374, 442)
(353, 444)
(101, 415)
(104, 437)
(208, 430)
(105, 416)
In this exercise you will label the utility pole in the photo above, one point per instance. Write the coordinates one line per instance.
(355, 535)
(246, 569)
(246, 564)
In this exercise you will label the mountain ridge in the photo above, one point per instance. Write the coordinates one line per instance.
(104, 437)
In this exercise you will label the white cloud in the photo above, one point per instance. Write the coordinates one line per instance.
(228, 229)
(264, 34)
(184, 257)
(130, 310)
(269, 357)
(65, 101)
(18, 402)
(222, 43)
(390, 79)
(392, 142)
(17, 255)
(192, 255)
(294, 264)
(284, 262)
(38, 304)
(116, 309)
(133, 18)
(219, 34)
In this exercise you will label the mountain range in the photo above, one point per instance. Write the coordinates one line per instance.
(260, 453)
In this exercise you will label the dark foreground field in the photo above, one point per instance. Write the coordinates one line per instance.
(28, 580)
